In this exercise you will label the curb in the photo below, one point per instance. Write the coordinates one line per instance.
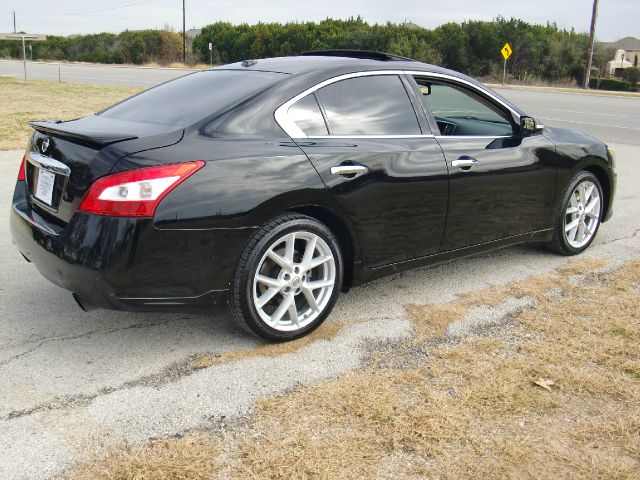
(574, 91)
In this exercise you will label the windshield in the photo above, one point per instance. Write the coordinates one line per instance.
(189, 99)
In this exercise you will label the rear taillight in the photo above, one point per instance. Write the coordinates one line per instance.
(136, 193)
(21, 173)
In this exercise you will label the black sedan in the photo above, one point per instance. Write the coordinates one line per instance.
(271, 185)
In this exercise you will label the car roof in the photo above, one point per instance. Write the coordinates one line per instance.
(325, 64)
(299, 64)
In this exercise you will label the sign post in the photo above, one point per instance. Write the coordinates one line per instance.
(24, 37)
(506, 52)
(211, 53)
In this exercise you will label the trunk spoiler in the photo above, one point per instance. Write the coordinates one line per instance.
(74, 130)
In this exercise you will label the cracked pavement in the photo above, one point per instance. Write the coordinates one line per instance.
(73, 382)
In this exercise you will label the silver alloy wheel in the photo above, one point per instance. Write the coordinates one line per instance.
(294, 281)
(582, 215)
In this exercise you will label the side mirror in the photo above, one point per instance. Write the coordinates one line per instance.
(528, 126)
(424, 89)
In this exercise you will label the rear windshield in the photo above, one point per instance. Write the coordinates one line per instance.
(187, 100)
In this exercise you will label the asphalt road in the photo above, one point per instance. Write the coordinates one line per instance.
(614, 118)
(87, 73)
(72, 382)
(606, 117)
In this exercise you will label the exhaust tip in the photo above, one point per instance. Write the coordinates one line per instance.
(76, 297)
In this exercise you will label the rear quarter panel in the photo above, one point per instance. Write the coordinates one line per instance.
(244, 184)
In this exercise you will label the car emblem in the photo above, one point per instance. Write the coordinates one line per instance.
(45, 145)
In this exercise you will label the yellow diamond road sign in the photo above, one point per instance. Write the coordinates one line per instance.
(506, 51)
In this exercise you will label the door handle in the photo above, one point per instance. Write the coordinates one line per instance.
(348, 169)
(465, 163)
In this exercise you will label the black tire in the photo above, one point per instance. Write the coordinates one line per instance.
(241, 304)
(559, 243)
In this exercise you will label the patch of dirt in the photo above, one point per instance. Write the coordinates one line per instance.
(326, 331)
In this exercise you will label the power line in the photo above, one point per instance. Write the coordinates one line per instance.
(193, 24)
(262, 4)
(552, 14)
(88, 10)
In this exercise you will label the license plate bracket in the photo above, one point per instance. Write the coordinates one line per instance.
(45, 186)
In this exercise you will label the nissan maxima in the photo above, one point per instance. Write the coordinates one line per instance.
(272, 185)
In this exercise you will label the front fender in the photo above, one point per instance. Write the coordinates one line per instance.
(576, 151)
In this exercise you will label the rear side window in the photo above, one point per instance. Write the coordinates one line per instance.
(307, 115)
(372, 105)
(189, 99)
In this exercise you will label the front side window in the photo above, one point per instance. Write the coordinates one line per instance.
(371, 105)
(461, 113)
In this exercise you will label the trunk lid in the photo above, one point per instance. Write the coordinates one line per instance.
(65, 158)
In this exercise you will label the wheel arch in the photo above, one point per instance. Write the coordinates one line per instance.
(343, 231)
(603, 176)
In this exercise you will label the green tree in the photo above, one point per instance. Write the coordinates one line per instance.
(543, 52)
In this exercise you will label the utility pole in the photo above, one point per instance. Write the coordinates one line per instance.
(14, 22)
(184, 36)
(592, 36)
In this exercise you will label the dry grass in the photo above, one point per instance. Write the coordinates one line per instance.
(195, 66)
(469, 409)
(189, 458)
(41, 100)
(326, 331)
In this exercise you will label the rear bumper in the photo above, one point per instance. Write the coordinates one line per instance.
(127, 263)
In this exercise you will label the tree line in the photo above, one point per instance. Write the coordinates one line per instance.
(137, 47)
(543, 52)
(540, 52)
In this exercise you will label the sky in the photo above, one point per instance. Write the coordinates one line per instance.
(616, 18)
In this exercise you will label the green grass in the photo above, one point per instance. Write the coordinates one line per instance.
(622, 332)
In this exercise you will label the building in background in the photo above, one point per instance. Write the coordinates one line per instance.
(620, 62)
(627, 55)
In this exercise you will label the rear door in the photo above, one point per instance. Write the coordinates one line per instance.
(501, 184)
(380, 161)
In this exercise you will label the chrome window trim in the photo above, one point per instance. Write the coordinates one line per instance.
(282, 117)
(370, 136)
(479, 137)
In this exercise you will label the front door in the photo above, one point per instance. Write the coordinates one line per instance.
(501, 184)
